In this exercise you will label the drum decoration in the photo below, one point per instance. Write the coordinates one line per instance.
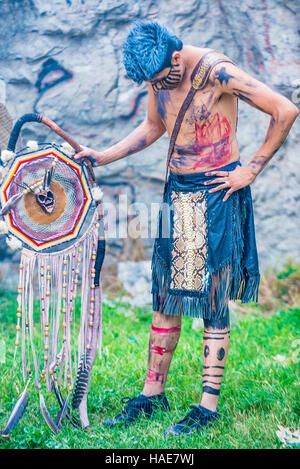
(51, 208)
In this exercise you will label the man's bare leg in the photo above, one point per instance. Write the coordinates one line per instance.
(215, 349)
(164, 336)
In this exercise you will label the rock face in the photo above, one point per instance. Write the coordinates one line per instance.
(63, 59)
(136, 280)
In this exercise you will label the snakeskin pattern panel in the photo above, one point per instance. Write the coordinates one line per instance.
(189, 241)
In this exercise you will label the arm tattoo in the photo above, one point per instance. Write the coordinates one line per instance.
(139, 145)
(222, 75)
(258, 163)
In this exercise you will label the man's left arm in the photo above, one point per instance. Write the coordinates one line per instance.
(232, 80)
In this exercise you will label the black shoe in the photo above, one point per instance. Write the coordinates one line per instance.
(196, 419)
(136, 406)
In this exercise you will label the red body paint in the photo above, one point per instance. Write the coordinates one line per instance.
(153, 376)
(212, 146)
(161, 330)
(212, 141)
(158, 350)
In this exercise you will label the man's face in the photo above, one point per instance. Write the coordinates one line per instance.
(168, 79)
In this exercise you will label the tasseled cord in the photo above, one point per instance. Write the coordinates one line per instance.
(58, 278)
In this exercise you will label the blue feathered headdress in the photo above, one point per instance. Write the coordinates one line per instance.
(148, 50)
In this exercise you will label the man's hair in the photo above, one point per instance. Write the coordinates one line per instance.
(148, 49)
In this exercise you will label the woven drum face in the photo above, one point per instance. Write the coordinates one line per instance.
(44, 219)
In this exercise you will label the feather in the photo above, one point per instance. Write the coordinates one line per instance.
(11, 203)
(47, 179)
(17, 412)
(24, 186)
(61, 401)
(82, 379)
(57, 393)
(46, 175)
(45, 413)
(63, 412)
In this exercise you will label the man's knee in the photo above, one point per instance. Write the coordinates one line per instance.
(166, 321)
(220, 323)
(165, 331)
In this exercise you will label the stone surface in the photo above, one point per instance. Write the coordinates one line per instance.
(63, 59)
(136, 280)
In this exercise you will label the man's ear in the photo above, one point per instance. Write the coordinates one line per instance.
(176, 57)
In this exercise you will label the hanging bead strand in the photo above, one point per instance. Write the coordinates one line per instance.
(64, 310)
(19, 312)
(92, 295)
(46, 324)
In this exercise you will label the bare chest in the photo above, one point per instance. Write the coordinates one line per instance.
(170, 102)
(206, 109)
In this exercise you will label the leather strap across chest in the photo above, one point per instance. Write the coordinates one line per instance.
(199, 79)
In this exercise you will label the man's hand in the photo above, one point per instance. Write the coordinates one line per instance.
(234, 180)
(87, 152)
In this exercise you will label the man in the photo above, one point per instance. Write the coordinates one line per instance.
(207, 254)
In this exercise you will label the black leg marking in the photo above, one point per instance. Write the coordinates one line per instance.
(213, 366)
(221, 323)
(214, 376)
(211, 382)
(220, 354)
(210, 390)
(213, 338)
(206, 351)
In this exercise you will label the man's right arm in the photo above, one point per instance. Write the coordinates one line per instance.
(150, 130)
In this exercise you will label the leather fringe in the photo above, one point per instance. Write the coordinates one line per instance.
(230, 282)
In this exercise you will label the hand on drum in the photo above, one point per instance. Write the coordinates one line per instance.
(86, 152)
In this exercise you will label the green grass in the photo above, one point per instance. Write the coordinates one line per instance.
(258, 393)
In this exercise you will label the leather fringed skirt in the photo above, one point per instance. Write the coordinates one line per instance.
(205, 250)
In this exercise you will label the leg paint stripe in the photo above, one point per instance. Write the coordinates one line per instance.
(161, 330)
(220, 354)
(159, 350)
(211, 382)
(214, 338)
(214, 376)
(153, 376)
(213, 366)
(210, 390)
